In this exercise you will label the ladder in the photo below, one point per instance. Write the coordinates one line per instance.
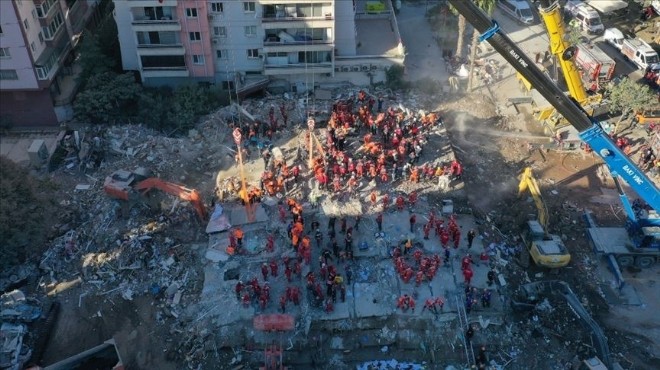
(464, 324)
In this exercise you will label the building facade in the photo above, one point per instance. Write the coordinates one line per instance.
(238, 44)
(37, 38)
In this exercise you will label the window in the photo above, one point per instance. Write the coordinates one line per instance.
(34, 13)
(249, 7)
(26, 24)
(250, 31)
(54, 26)
(195, 36)
(253, 53)
(220, 31)
(0, 30)
(41, 37)
(217, 8)
(8, 74)
(4, 53)
(221, 54)
(198, 59)
(32, 46)
(191, 12)
(44, 8)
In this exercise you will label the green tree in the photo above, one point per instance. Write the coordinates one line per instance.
(394, 77)
(628, 96)
(108, 97)
(155, 109)
(487, 6)
(92, 60)
(26, 207)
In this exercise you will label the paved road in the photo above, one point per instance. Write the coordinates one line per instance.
(423, 56)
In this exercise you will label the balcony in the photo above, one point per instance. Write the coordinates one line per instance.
(156, 25)
(270, 17)
(279, 2)
(297, 68)
(143, 3)
(297, 47)
(155, 72)
(160, 49)
(46, 9)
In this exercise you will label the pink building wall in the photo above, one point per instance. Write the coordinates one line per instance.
(202, 47)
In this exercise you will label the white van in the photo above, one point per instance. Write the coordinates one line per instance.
(587, 19)
(518, 9)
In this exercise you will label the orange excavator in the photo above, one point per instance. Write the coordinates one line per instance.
(132, 186)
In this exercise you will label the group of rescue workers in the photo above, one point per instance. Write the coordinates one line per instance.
(391, 145)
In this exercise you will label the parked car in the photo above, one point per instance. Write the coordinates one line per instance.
(518, 10)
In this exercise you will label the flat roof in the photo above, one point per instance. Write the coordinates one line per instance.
(376, 37)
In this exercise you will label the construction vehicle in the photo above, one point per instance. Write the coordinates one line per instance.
(564, 54)
(635, 50)
(596, 67)
(545, 249)
(274, 353)
(589, 131)
(135, 186)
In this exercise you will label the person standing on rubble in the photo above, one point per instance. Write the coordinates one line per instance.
(379, 221)
(413, 220)
(470, 237)
(239, 289)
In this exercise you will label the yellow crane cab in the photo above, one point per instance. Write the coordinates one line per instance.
(546, 250)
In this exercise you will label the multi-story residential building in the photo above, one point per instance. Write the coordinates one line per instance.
(36, 60)
(238, 44)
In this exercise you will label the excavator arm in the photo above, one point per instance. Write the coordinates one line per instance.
(184, 193)
(528, 182)
(590, 132)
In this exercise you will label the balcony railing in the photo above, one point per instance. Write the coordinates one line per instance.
(175, 68)
(297, 42)
(299, 65)
(143, 19)
(153, 46)
(289, 17)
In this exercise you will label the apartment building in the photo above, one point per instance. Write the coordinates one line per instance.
(37, 37)
(242, 44)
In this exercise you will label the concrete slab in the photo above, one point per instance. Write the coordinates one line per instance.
(238, 216)
(16, 148)
(370, 301)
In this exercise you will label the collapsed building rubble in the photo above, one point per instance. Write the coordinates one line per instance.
(159, 252)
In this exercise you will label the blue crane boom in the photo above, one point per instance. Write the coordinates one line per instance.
(589, 130)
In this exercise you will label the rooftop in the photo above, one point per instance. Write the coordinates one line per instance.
(376, 37)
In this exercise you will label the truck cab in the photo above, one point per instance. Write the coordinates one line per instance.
(614, 37)
(585, 17)
(547, 250)
(639, 52)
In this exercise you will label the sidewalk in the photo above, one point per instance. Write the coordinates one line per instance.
(423, 56)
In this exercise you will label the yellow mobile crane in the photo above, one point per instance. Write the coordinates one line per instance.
(545, 249)
(564, 53)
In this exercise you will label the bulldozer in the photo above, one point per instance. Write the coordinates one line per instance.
(545, 249)
(130, 187)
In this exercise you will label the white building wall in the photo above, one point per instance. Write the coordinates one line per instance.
(28, 12)
(126, 34)
(12, 38)
(345, 28)
(236, 43)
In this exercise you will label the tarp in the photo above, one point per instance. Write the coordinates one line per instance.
(607, 6)
(218, 221)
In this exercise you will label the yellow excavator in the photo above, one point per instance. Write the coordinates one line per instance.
(545, 249)
(564, 53)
